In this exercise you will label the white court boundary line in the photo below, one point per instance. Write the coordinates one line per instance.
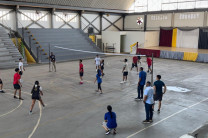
(12, 109)
(38, 122)
(40, 115)
(166, 118)
(101, 53)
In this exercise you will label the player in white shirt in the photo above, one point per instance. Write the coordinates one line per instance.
(97, 61)
(125, 71)
(21, 66)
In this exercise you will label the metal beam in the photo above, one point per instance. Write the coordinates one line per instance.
(36, 21)
(69, 21)
(112, 23)
(30, 19)
(101, 23)
(65, 23)
(90, 23)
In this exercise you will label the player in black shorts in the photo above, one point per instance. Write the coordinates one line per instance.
(36, 92)
(158, 87)
(1, 86)
(102, 67)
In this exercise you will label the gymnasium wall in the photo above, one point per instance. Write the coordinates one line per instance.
(131, 22)
(151, 38)
(189, 19)
(112, 37)
(131, 38)
(155, 21)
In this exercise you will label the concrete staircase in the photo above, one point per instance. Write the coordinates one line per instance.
(9, 54)
(66, 38)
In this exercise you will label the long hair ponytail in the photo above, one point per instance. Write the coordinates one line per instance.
(35, 87)
(109, 107)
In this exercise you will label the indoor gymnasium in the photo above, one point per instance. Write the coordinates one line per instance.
(103, 69)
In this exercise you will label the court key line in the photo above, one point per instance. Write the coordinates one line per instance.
(38, 122)
(166, 118)
(40, 115)
(12, 109)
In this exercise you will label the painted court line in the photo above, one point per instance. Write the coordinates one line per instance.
(165, 118)
(38, 122)
(12, 109)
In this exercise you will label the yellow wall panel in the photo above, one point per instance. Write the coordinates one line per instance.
(174, 38)
(190, 56)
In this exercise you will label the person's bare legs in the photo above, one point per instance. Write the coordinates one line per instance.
(20, 93)
(137, 69)
(106, 129)
(1, 86)
(41, 101)
(159, 105)
(54, 64)
(33, 103)
(15, 92)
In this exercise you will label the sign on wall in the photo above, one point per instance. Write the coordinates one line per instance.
(134, 22)
(189, 19)
(155, 21)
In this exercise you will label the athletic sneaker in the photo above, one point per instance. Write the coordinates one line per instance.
(15, 97)
(137, 99)
(107, 132)
(125, 81)
(146, 122)
(151, 121)
(30, 112)
(122, 82)
(81, 82)
(2, 91)
(21, 99)
(158, 110)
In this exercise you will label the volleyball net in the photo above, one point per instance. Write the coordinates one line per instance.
(63, 51)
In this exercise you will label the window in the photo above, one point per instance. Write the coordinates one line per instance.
(66, 17)
(160, 5)
(5, 15)
(27, 16)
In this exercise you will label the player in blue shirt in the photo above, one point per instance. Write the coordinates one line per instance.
(110, 121)
(141, 83)
(99, 81)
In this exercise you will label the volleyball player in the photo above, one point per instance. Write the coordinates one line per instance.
(36, 92)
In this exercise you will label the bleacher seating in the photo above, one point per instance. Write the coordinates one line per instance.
(66, 38)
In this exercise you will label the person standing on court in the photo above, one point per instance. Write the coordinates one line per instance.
(125, 71)
(97, 62)
(149, 63)
(1, 86)
(17, 84)
(81, 71)
(36, 92)
(53, 61)
(134, 63)
(158, 94)
(141, 83)
(21, 66)
(148, 102)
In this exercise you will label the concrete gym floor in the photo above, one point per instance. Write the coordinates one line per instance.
(76, 111)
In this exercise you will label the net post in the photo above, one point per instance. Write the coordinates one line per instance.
(49, 51)
(152, 70)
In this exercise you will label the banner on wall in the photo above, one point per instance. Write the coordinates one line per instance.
(166, 37)
(203, 39)
(187, 39)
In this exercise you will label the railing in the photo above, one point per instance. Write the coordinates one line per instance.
(12, 35)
